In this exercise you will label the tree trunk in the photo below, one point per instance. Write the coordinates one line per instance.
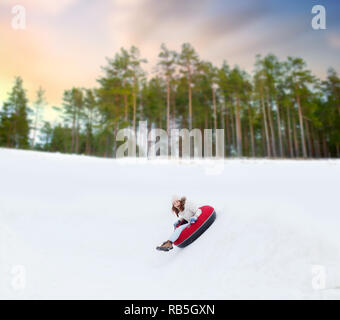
(134, 96)
(263, 142)
(107, 147)
(190, 99)
(290, 140)
(73, 130)
(304, 151)
(173, 98)
(114, 144)
(296, 143)
(222, 124)
(87, 144)
(77, 135)
(251, 129)
(215, 108)
(238, 128)
(316, 142)
(265, 125)
(279, 130)
(325, 146)
(15, 139)
(222, 106)
(90, 131)
(168, 107)
(9, 135)
(246, 150)
(271, 126)
(232, 120)
(89, 134)
(227, 124)
(35, 128)
(126, 107)
(309, 142)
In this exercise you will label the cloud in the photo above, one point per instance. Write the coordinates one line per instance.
(205, 19)
(217, 29)
(204, 23)
(138, 21)
(334, 40)
(225, 23)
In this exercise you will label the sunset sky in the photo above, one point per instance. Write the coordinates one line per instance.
(66, 41)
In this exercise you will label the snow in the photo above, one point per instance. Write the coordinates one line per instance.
(76, 227)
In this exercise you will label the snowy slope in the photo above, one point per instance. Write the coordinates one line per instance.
(81, 227)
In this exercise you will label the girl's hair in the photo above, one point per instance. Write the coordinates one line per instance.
(181, 207)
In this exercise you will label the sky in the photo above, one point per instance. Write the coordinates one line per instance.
(65, 42)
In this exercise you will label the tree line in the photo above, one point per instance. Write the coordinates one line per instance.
(281, 110)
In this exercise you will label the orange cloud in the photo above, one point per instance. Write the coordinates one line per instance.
(48, 59)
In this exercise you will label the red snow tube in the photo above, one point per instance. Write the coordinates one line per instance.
(193, 231)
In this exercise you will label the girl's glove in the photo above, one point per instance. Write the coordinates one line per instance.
(193, 220)
(177, 223)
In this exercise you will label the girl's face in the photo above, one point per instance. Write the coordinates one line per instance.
(177, 204)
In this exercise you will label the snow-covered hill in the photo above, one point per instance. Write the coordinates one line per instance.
(81, 227)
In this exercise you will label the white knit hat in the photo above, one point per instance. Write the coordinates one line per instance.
(175, 198)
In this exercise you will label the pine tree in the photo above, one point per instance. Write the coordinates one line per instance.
(167, 62)
(136, 73)
(14, 118)
(299, 78)
(188, 60)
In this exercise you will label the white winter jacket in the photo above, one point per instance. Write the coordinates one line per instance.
(190, 210)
